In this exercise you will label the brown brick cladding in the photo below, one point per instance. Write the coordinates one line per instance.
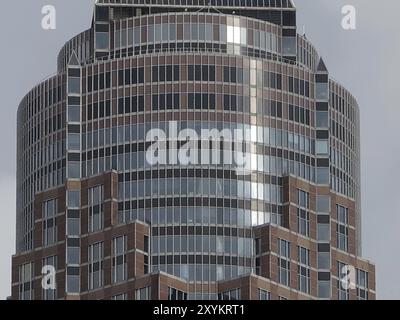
(159, 282)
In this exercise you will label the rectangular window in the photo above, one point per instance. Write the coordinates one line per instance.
(323, 204)
(264, 295)
(102, 39)
(321, 147)
(74, 113)
(74, 85)
(342, 228)
(362, 284)
(322, 119)
(321, 91)
(74, 170)
(119, 265)
(303, 270)
(322, 175)
(25, 281)
(234, 294)
(143, 293)
(343, 292)
(49, 293)
(303, 216)
(284, 262)
(73, 283)
(324, 260)
(49, 211)
(96, 272)
(303, 222)
(303, 199)
(122, 296)
(96, 208)
(74, 199)
(73, 226)
(324, 289)
(74, 142)
(323, 232)
(73, 253)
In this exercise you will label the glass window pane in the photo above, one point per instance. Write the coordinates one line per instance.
(73, 226)
(322, 175)
(102, 40)
(74, 113)
(323, 203)
(72, 284)
(74, 85)
(321, 147)
(323, 233)
(322, 119)
(74, 199)
(74, 170)
(74, 141)
(321, 91)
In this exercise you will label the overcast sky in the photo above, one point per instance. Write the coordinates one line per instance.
(363, 60)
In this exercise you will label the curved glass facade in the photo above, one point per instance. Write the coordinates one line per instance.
(196, 71)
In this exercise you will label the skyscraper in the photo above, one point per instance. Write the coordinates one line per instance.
(119, 212)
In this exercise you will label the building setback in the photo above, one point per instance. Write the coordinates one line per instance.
(114, 226)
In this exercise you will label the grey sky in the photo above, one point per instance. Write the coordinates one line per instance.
(364, 60)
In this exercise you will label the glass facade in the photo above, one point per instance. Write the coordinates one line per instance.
(204, 76)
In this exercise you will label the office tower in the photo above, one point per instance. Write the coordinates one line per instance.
(284, 224)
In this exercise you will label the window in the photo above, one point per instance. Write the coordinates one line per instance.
(342, 228)
(230, 295)
(49, 211)
(74, 142)
(96, 265)
(323, 232)
(303, 222)
(321, 147)
(322, 175)
(73, 224)
(303, 199)
(289, 45)
(284, 262)
(321, 91)
(324, 260)
(102, 39)
(119, 266)
(74, 200)
(73, 282)
(74, 170)
(122, 296)
(362, 284)
(73, 252)
(323, 203)
(74, 113)
(74, 85)
(343, 293)
(264, 295)
(322, 119)
(303, 269)
(25, 281)
(49, 294)
(175, 294)
(324, 289)
(143, 293)
(96, 209)
(303, 216)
